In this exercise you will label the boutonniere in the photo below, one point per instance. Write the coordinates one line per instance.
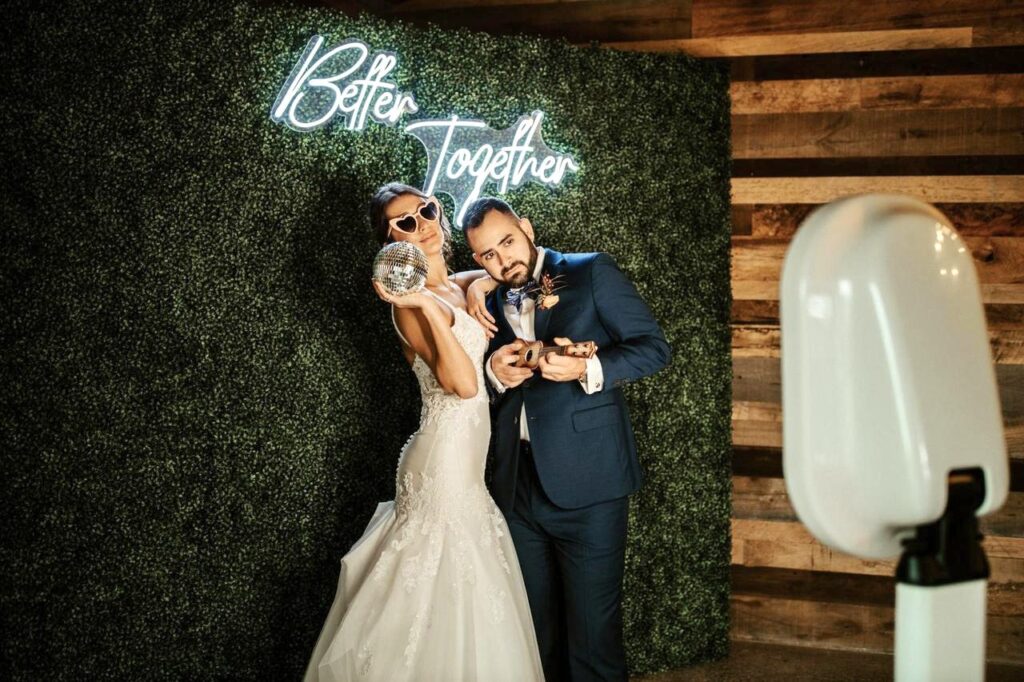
(546, 296)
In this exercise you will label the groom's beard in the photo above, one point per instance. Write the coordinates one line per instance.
(518, 280)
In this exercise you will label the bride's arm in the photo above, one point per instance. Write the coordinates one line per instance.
(426, 327)
(477, 284)
(466, 278)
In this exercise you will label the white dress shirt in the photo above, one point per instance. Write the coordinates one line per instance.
(522, 327)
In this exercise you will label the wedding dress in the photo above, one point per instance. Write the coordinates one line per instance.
(433, 589)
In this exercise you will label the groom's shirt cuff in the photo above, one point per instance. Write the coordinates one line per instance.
(498, 386)
(593, 380)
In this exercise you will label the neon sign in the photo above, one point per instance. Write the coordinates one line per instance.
(371, 95)
(463, 155)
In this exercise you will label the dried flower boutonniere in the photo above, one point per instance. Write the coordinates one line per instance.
(546, 296)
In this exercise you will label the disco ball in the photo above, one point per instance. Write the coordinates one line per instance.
(401, 268)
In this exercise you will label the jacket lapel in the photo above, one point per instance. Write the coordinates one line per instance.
(553, 262)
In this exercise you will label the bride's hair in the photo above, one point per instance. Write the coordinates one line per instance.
(379, 221)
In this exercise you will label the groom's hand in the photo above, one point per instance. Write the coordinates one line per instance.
(502, 362)
(562, 367)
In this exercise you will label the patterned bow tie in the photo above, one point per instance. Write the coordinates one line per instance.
(515, 297)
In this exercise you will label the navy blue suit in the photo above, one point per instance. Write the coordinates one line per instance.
(564, 493)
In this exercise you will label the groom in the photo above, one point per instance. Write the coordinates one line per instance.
(564, 457)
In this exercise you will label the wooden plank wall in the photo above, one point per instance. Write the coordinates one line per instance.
(829, 99)
(914, 112)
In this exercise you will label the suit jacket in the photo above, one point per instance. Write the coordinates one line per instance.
(583, 445)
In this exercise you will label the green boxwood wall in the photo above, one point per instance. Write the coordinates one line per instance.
(204, 398)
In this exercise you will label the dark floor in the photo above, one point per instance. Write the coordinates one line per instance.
(750, 662)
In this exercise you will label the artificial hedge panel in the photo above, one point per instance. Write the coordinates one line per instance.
(205, 400)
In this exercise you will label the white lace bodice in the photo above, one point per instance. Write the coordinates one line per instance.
(441, 409)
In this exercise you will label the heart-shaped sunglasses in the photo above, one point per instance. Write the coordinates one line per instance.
(408, 222)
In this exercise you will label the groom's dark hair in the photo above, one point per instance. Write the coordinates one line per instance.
(481, 207)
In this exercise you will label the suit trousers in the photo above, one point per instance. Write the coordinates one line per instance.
(572, 562)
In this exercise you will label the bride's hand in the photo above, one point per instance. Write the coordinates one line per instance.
(416, 299)
(476, 304)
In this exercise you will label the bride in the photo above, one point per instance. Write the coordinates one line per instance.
(433, 589)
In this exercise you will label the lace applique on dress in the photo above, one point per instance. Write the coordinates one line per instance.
(451, 519)
(426, 506)
(442, 409)
(418, 625)
(365, 660)
(497, 598)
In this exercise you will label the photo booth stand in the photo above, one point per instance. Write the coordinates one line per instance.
(893, 439)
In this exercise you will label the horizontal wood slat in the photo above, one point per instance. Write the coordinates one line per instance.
(756, 341)
(755, 17)
(758, 423)
(990, 36)
(798, 607)
(766, 312)
(918, 132)
(867, 166)
(880, 64)
(849, 588)
(763, 341)
(757, 462)
(766, 462)
(757, 381)
(767, 499)
(829, 43)
(788, 544)
(769, 291)
(816, 43)
(977, 189)
(982, 91)
(999, 262)
(998, 259)
(782, 220)
(852, 627)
